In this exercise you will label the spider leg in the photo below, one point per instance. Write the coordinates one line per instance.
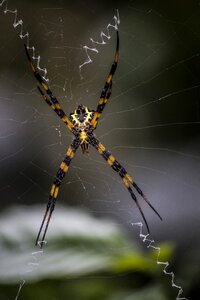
(63, 169)
(127, 179)
(107, 90)
(50, 99)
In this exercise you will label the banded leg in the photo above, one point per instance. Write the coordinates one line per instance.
(50, 99)
(127, 179)
(107, 90)
(63, 169)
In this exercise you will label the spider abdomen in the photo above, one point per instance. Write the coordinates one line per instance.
(83, 136)
(84, 141)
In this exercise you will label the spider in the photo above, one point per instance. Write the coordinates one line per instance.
(82, 123)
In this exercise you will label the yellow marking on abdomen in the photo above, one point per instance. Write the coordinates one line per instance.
(83, 136)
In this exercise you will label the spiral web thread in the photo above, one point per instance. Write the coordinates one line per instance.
(18, 25)
(150, 244)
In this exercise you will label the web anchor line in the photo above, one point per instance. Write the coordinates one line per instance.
(150, 244)
(104, 35)
(18, 24)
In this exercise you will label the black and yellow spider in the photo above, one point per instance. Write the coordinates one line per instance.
(82, 123)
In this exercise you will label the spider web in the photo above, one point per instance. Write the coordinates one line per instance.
(151, 123)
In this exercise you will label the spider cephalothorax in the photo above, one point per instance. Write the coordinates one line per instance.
(82, 122)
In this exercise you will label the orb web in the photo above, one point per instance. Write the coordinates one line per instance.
(151, 123)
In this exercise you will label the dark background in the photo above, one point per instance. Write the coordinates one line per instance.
(151, 123)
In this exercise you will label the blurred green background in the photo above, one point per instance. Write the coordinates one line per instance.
(151, 124)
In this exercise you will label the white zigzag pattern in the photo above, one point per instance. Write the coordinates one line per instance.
(150, 244)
